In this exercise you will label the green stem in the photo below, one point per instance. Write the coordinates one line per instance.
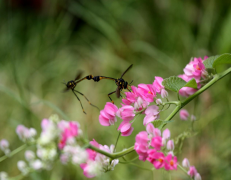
(141, 167)
(117, 141)
(13, 152)
(183, 170)
(127, 162)
(111, 155)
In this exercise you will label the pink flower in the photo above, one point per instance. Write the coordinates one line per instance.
(68, 132)
(140, 104)
(156, 142)
(170, 162)
(156, 158)
(141, 145)
(84, 167)
(166, 134)
(184, 114)
(192, 171)
(125, 128)
(158, 84)
(187, 91)
(195, 68)
(152, 114)
(152, 131)
(107, 116)
(126, 113)
(185, 163)
(131, 97)
(147, 92)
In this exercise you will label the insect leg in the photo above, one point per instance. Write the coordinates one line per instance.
(87, 99)
(79, 101)
(110, 97)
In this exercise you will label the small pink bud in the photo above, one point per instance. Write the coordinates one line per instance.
(192, 171)
(197, 176)
(170, 145)
(22, 166)
(4, 144)
(164, 93)
(184, 114)
(193, 118)
(29, 155)
(166, 134)
(185, 163)
(158, 101)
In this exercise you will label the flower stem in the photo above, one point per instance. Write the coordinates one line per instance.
(183, 170)
(20, 148)
(117, 141)
(141, 167)
(111, 155)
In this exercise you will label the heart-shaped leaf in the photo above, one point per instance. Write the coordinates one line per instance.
(173, 83)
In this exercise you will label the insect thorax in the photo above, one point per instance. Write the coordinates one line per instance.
(71, 84)
(121, 83)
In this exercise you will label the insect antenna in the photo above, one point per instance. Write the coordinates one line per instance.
(127, 70)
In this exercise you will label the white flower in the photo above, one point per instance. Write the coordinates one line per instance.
(29, 155)
(36, 165)
(3, 176)
(22, 166)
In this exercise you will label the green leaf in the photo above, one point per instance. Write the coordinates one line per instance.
(173, 83)
(192, 83)
(222, 59)
(209, 62)
(157, 123)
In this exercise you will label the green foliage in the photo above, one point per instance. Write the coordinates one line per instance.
(175, 83)
(213, 61)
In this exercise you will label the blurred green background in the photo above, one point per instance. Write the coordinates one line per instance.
(43, 43)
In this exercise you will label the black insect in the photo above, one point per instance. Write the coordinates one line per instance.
(72, 84)
(120, 82)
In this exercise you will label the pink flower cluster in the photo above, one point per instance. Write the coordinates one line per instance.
(133, 103)
(192, 172)
(97, 162)
(25, 134)
(195, 69)
(69, 130)
(149, 145)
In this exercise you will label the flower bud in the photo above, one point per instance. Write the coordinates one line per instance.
(197, 176)
(170, 145)
(185, 163)
(4, 144)
(164, 93)
(3, 176)
(22, 166)
(29, 155)
(184, 114)
(193, 118)
(36, 165)
(158, 101)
